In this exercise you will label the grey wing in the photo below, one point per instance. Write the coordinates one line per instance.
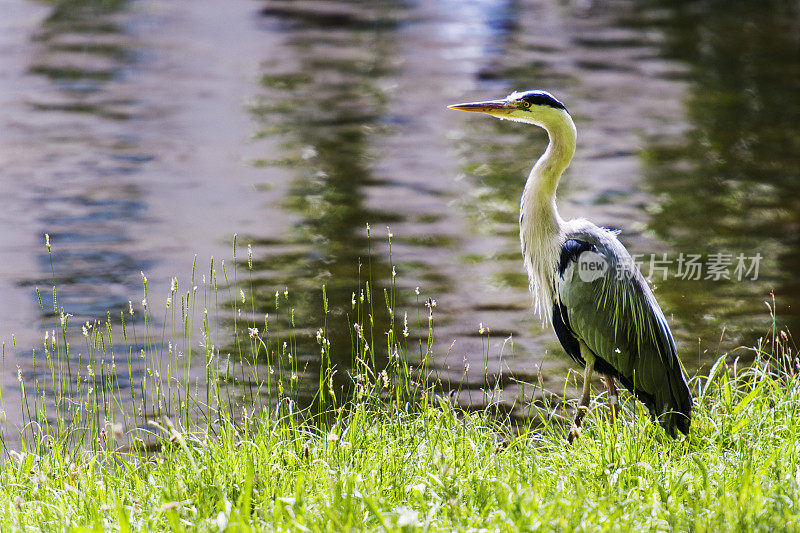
(615, 314)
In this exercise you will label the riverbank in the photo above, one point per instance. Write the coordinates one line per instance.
(427, 465)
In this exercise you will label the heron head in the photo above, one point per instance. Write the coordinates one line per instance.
(534, 107)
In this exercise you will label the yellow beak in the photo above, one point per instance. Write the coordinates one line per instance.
(493, 107)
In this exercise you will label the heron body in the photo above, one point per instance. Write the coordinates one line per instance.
(585, 283)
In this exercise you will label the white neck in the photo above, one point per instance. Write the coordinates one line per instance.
(539, 197)
(540, 223)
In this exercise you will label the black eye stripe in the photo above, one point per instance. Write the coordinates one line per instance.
(540, 98)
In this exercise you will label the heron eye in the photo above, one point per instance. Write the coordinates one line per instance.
(523, 104)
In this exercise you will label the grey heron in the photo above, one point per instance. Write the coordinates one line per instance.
(585, 283)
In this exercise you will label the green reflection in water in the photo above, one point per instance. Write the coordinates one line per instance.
(92, 20)
(729, 183)
(327, 107)
(83, 49)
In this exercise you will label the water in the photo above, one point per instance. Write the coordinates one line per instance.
(138, 134)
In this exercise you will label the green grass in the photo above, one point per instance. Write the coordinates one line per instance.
(434, 467)
(196, 454)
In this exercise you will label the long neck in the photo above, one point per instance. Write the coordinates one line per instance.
(540, 223)
(539, 197)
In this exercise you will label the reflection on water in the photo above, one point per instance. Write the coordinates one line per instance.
(137, 134)
(325, 101)
(86, 176)
(728, 184)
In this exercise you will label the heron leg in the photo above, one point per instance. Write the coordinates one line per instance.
(613, 396)
(583, 407)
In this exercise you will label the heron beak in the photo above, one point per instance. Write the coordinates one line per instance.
(492, 107)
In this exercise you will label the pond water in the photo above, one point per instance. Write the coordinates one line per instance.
(138, 134)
